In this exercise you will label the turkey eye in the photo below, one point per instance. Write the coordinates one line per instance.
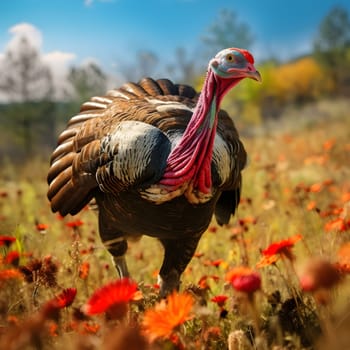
(229, 57)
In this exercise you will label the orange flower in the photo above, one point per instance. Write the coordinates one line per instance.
(84, 269)
(328, 144)
(311, 205)
(343, 263)
(215, 263)
(266, 261)
(74, 224)
(112, 298)
(345, 197)
(315, 188)
(41, 227)
(282, 248)
(10, 273)
(244, 279)
(339, 224)
(161, 321)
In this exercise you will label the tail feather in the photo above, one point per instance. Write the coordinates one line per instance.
(60, 165)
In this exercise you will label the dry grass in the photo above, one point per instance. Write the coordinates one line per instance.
(296, 183)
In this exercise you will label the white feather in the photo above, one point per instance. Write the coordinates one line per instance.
(164, 106)
(132, 142)
(221, 156)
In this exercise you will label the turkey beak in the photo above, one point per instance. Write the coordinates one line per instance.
(255, 75)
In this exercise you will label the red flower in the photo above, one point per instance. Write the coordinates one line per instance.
(244, 279)
(12, 258)
(111, 297)
(212, 229)
(318, 274)
(215, 263)
(75, 223)
(65, 298)
(219, 299)
(6, 240)
(282, 248)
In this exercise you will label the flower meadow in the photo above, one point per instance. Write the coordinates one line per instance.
(276, 277)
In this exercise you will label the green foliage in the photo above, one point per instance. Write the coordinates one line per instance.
(332, 47)
(87, 81)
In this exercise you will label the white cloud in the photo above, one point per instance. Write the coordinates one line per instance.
(25, 30)
(58, 61)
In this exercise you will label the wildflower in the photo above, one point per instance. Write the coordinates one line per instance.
(161, 321)
(219, 299)
(44, 271)
(212, 333)
(311, 205)
(12, 258)
(74, 224)
(6, 240)
(53, 328)
(345, 197)
(41, 227)
(212, 229)
(52, 308)
(66, 297)
(343, 263)
(203, 281)
(316, 187)
(215, 263)
(244, 279)
(283, 248)
(328, 144)
(10, 274)
(247, 220)
(266, 261)
(112, 298)
(318, 274)
(84, 269)
(339, 224)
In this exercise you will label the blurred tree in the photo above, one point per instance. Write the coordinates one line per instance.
(26, 86)
(185, 69)
(24, 76)
(227, 31)
(332, 46)
(87, 80)
(145, 65)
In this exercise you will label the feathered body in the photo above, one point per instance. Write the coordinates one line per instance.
(118, 150)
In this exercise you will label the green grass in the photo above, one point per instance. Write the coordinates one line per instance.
(296, 182)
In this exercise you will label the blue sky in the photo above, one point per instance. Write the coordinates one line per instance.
(109, 30)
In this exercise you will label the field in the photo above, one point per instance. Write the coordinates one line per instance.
(275, 278)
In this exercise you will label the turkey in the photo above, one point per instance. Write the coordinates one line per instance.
(159, 160)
